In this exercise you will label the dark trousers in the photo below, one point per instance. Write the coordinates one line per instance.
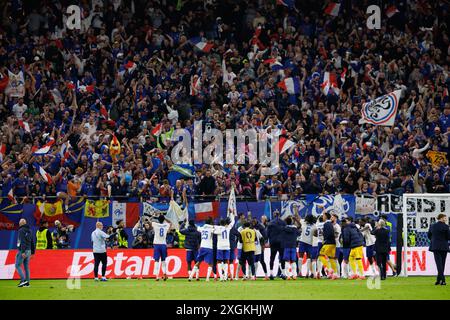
(248, 257)
(100, 257)
(439, 258)
(274, 249)
(381, 261)
(263, 260)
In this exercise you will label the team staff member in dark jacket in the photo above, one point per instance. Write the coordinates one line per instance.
(329, 246)
(382, 246)
(25, 249)
(191, 243)
(289, 243)
(234, 239)
(262, 229)
(353, 239)
(439, 234)
(274, 231)
(44, 239)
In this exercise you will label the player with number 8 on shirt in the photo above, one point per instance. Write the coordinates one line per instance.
(160, 245)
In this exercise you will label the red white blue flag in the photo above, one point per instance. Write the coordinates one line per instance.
(291, 85)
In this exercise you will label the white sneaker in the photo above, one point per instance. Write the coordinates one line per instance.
(95, 279)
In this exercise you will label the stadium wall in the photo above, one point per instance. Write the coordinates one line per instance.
(70, 264)
(80, 239)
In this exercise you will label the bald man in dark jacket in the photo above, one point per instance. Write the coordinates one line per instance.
(439, 234)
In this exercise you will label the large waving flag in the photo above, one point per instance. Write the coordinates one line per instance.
(201, 45)
(180, 171)
(333, 9)
(96, 208)
(381, 111)
(47, 178)
(45, 148)
(291, 85)
(175, 214)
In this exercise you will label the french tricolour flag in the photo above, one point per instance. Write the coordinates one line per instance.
(391, 11)
(333, 9)
(204, 210)
(291, 85)
(47, 178)
(201, 45)
(284, 145)
(45, 148)
(64, 152)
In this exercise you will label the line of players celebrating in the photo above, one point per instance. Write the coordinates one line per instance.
(321, 240)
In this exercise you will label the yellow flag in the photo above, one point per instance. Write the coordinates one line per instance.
(50, 209)
(96, 209)
(437, 158)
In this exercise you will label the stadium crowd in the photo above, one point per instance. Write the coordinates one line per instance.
(133, 71)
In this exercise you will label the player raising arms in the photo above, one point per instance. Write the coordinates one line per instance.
(308, 228)
(160, 245)
(206, 248)
(223, 246)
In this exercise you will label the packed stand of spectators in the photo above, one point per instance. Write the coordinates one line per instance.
(134, 65)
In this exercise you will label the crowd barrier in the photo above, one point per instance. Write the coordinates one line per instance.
(139, 263)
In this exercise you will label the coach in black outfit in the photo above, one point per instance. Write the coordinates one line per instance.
(274, 234)
(439, 234)
(382, 246)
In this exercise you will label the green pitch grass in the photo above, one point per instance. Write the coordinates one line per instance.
(177, 289)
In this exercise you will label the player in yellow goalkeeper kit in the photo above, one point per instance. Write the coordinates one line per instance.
(327, 254)
(248, 238)
(353, 239)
